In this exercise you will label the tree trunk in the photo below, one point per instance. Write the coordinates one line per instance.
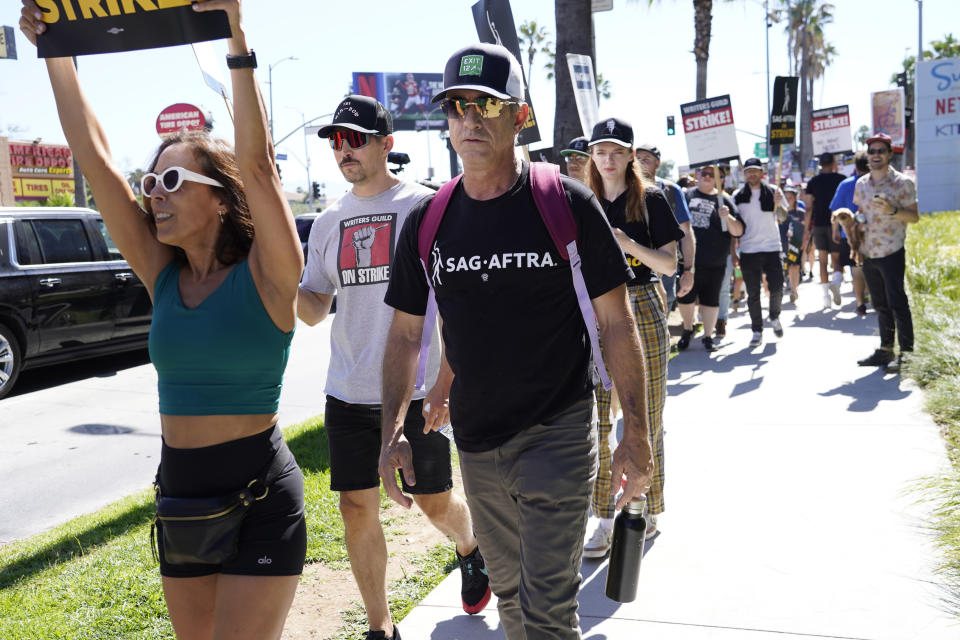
(574, 35)
(702, 19)
(806, 103)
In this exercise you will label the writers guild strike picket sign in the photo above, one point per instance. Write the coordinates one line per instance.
(709, 131)
(938, 134)
(495, 25)
(82, 27)
(831, 130)
(783, 112)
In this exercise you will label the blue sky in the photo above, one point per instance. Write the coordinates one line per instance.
(644, 52)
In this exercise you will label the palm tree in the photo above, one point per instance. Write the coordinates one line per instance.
(534, 39)
(810, 54)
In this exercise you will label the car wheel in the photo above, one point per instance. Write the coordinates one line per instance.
(10, 360)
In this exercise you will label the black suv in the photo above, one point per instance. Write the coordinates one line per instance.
(65, 291)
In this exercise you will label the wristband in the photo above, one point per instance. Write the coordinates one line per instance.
(248, 61)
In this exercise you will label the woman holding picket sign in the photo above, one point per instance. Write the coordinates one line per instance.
(648, 233)
(216, 246)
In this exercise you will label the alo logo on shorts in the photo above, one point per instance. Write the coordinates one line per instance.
(264, 561)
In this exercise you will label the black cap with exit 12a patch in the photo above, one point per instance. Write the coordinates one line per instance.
(489, 68)
(360, 113)
(753, 163)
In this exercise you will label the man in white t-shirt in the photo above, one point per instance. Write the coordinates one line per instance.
(351, 249)
(761, 207)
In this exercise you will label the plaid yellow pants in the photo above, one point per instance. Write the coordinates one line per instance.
(648, 309)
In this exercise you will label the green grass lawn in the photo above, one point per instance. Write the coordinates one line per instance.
(95, 576)
(933, 279)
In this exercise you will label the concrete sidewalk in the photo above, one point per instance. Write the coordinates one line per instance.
(791, 509)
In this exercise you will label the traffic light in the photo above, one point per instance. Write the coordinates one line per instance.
(671, 130)
(315, 190)
(902, 79)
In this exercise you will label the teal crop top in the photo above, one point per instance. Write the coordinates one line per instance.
(224, 357)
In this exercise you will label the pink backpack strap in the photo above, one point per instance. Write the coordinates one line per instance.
(425, 237)
(554, 208)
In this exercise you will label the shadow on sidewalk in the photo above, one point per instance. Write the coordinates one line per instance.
(465, 627)
(595, 606)
(684, 370)
(831, 319)
(866, 392)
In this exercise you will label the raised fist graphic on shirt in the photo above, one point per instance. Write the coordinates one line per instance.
(363, 239)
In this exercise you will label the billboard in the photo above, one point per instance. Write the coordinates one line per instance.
(8, 44)
(938, 134)
(889, 116)
(406, 95)
(98, 27)
(494, 20)
(831, 130)
(40, 171)
(783, 112)
(709, 131)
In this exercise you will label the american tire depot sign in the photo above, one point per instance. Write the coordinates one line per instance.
(40, 170)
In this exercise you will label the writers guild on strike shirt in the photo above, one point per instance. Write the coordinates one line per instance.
(366, 249)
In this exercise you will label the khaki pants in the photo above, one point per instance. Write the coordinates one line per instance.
(529, 500)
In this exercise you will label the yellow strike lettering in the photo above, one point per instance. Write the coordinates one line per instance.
(91, 8)
(68, 9)
(167, 4)
(113, 7)
(51, 12)
(146, 5)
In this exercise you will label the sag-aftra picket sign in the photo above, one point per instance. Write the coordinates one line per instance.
(81, 27)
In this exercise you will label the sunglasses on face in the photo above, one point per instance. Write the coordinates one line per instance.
(488, 107)
(353, 138)
(172, 179)
(876, 151)
(576, 159)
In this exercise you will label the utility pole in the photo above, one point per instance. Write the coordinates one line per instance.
(306, 153)
(766, 22)
(270, 82)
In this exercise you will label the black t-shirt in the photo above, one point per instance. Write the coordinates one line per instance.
(713, 243)
(663, 228)
(512, 327)
(822, 187)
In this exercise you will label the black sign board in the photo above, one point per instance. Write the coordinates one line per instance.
(80, 29)
(783, 111)
(495, 25)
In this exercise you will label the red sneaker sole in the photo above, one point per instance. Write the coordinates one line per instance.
(477, 608)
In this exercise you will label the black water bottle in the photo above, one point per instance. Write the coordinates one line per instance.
(626, 551)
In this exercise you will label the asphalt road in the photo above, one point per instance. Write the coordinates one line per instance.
(76, 437)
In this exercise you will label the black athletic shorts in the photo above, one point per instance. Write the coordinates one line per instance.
(823, 239)
(707, 284)
(273, 536)
(353, 433)
(844, 248)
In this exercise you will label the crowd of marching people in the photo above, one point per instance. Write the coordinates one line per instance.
(511, 304)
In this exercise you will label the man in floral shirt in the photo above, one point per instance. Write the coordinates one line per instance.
(888, 203)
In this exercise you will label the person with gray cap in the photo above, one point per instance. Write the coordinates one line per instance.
(761, 207)
(648, 156)
(351, 249)
(577, 158)
(517, 354)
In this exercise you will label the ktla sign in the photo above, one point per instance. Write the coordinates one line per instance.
(182, 117)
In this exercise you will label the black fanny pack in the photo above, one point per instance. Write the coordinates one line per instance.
(206, 530)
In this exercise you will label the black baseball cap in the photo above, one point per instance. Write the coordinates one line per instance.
(577, 146)
(649, 148)
(490, 68)
(360, 113)
(612, 130)
(753, 163)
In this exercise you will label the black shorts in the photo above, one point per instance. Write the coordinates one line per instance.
(707, 284)
(353, 433)
(823, 239)
(273, 536)
(844, 248)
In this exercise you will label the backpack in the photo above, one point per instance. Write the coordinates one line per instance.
(554, 209)
(666, 186)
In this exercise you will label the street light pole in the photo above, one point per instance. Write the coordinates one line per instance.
(306, 154)
(766, 22)
(270, 82)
